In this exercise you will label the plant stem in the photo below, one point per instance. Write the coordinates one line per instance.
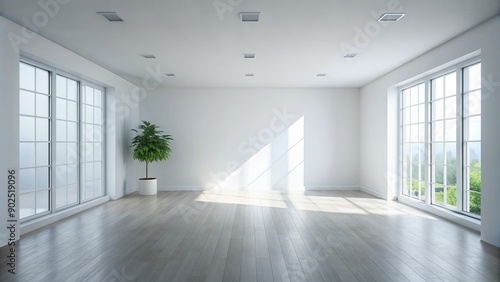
(147, 170)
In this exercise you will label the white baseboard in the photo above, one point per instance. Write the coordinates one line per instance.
(332, 188)
(278, 188)
(34, 224)
(375, 193)
(181, 188)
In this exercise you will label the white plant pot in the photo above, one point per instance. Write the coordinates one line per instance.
(147, 186)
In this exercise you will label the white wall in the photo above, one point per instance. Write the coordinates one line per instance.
(121, 110)
(378, 120)
(213, 131)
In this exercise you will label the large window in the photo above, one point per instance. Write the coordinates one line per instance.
(61, 144)
(440, 125)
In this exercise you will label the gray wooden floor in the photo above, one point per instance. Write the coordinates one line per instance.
(253, 236)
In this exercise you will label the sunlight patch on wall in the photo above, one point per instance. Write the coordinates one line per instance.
(279, 165)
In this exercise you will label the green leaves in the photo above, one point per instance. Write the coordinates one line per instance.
(150, 144)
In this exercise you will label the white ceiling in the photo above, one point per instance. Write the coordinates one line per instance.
(294, 41)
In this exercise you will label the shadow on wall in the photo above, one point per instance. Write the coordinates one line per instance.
(278, 165)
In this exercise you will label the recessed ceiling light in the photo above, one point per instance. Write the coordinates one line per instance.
(350, 56)
(249, 55)
(250, 16)
(321, 74)
(169, 74)
(111, 16)
(249, 74)
(390, 17)
(148, 56)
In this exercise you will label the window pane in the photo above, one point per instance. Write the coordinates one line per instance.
(42, 201)
(451, 196)
(97, 188)
(474, 153)
(472, 77)
(61, 196)
(414, 114)
(89, 190)
(438, 88)
(97, 170)
(42, 81)
(98, 98)
(61, 130)
(72, 152)
(42, 105)
(475, 203)
(27, 77)
(61, 86)
(451, 107)
(42, 154)
(89, 152)
(42, 178)
(72, 111)
(451, 130)
(72, 132)
(61, 108)
(97, 152)
(451, 153)
(26, 129)
(406, 133)
(413, 96)
(406, 98)
(27, 180)
(438, 174)
(421, 113)
(72, 89)
(474, 128)
(42, 129)
(72, 171)
(89, 95)
(437, 153)
(27, 203)
(27, 154)
(97, 133)
(89, 114)
(450, 81)
(421, 133)
(72, 194)
(473, 103)
(89, 171)
(61, 175)
(97, 116)
(438, 131)
(451, 175)
(437, 110)
(406, 116)
(89, 132)
(475, 179)
(61, 153)
(26, 103)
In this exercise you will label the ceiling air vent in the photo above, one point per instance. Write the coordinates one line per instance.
(390, 17)
(350, 56)
(249, 74)
(250, 16)
(169, 74)
(148, 56)
(321, 74)
(111, 16)
(249, 56)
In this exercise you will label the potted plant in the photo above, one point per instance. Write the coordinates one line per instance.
(150, 145)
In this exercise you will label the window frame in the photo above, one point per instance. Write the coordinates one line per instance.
(457, 68)
(53, 73)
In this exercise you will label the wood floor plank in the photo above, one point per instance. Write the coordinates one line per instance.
(253, 236)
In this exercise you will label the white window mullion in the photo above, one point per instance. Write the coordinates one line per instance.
(460, 138)
(429, 192)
